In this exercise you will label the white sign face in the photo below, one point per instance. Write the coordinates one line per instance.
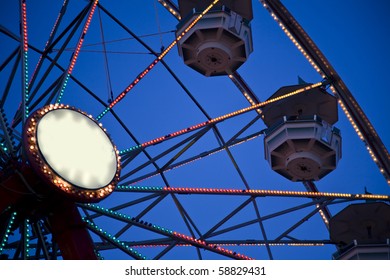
(77, 149)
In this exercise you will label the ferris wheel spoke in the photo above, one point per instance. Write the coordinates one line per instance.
(6, 229)
(230, 143)
(56, 82)
(25, 241)
(225, 117)
(262, 229)
(142, 214)
(72, 29)
(171, 7)
(239, 82)
(47, 94)
(289, 241)
(173, 74)
(155, 62)
(190, 142)
(9, 58)
(54, 62)
(48, 42)
(42, 245)
(324, 211)
(77, 51)
(190, 224)
(125, 28)
(227, 218)
(166, 250)
(320, 197)
(128, 132)
(230, 155)
(124, 205)
(235, 77)
(276, 241)
(300, 222)
(160, 230)
(17, 56)
(186, 90)
(113, 240)
(24, 56)
(7, 141)
(264, 218)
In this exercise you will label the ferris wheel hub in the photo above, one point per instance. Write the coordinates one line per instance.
(72, 153)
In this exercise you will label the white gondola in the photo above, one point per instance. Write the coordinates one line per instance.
(221, 41)
(301, 142)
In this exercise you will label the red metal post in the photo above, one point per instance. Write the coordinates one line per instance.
(70, 232)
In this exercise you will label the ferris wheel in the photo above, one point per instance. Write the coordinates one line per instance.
(179, 130)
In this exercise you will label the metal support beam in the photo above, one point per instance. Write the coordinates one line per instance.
(349, 104)
(171, 7)
(245, 89)
(70, 232)
(324, 211)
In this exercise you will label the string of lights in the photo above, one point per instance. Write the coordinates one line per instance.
(161, 230)
(322, 214)
(112, 239)
(251, 192)
(155, 62)
(170, 8)
(24, 49)
(3, 147)
(8, 230)
(77, 51)
(6, 143)
(26, 241)
(237, 244)
(243, 91)
(221, 118)
(293, 40)
(196, 158)
(55, 26)
(174, 11)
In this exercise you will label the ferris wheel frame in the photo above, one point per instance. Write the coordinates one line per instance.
(182, 140)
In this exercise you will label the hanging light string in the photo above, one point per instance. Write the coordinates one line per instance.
(155, 62)
(222, 118)
(76, 52)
